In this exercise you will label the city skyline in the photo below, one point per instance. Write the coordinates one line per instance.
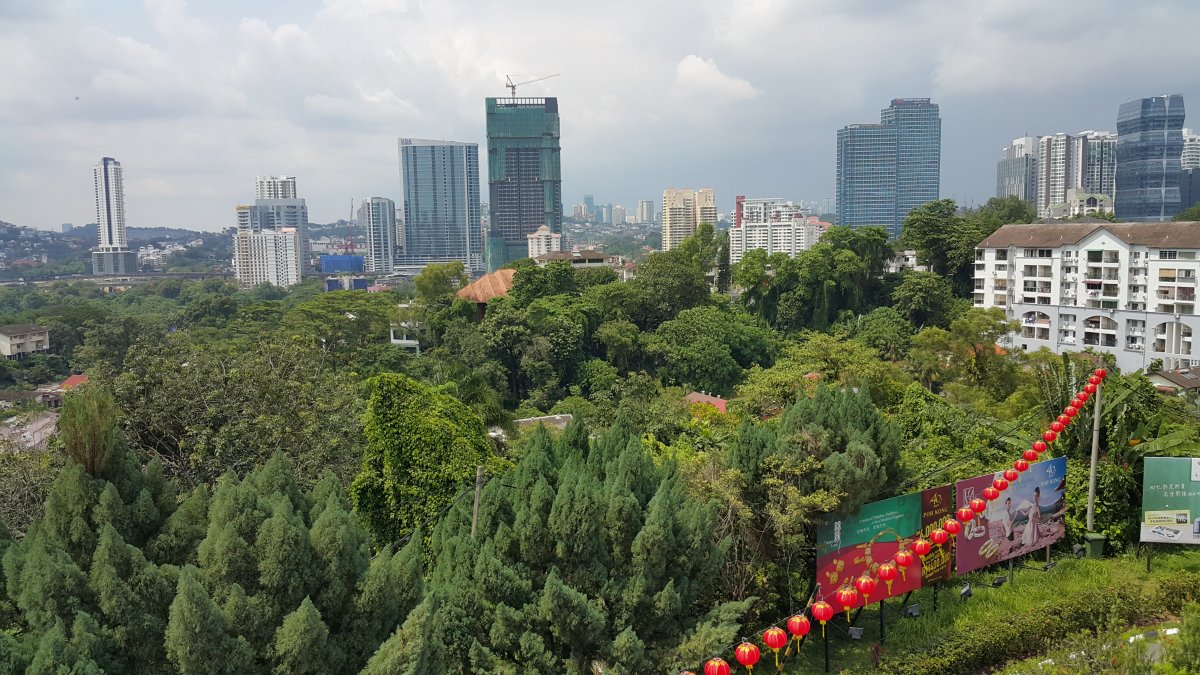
(315, 89)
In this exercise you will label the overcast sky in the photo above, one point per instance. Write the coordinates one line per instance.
(195, 99)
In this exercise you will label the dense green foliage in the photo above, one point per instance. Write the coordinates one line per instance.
(259, 575)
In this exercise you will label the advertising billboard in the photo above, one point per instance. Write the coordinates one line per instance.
(856, 544)
(1027, 517)
(1171, 500)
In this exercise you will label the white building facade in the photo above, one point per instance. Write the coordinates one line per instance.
(275, 187)
(683, 211)
(270, 256)
(543, 241)
(774, 225)
(377, 216)
(1126, 289)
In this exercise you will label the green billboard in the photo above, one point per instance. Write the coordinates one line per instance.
(1171, 500)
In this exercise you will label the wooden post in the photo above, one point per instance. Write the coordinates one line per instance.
(1149, 552)
(1091, 503)
(478, 489)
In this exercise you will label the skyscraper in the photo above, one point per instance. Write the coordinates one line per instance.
(270, 243)
(1058, 170)
(1098, 165)
(1191, 150)
(1149, 149)
(645, 211)
(886, 170)
(439, 183)
(275, 187)
(377, 216)
(682, 213)
(113, 256)
(1016, 172)
(524, 174)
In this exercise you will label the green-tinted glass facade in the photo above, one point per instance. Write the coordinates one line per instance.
(524, 174)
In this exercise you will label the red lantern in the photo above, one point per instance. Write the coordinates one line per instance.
(978, 505)
(1049, 436)
(887, 572)
(799, 626)
(966, 515)
(1101, 373)
(1064, 420)
(1039, 446)
(1095, 379)
(939, 536)
(1000, 484)
(922, 548)
(822, 611)
(952, 526)
(747, 654)
(1057, 427)
(990, 493)
(1022, 465)
(716, 666)
(903, 560)
(1070, 411)
(1030, 455)
(775, 638)
(1089, 388)
(1011, 475)
(1082, 396)
(865, 585)
(1076, 404)
(847, 597)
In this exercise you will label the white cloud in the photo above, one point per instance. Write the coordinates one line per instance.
(700, 76)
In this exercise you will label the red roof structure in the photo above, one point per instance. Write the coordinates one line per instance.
(715, 401)
(73, 381)
(488, 286)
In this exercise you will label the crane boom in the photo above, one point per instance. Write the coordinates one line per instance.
(512, 86)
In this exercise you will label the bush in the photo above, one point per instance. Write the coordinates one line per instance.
(983, 639)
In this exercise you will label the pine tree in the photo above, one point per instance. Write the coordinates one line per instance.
(57, 656)
(46, 584)
(342, 553)
(180, 535)
(287, 569)
(197, 641)
(301, 644)
(134, 598)
(13, 657)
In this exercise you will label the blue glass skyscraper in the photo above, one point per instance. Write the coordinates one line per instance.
(440, 184)
(886, 170)
(1149, 147)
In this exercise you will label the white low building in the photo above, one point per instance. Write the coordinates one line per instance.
(269, 256)
(1127, 289)
(543, 241)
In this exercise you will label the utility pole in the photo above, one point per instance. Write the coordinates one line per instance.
(478, 489)
(1091, 504)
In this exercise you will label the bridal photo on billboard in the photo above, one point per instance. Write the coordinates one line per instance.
(1027, 517)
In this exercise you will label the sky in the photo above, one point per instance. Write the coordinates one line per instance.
(196, 99)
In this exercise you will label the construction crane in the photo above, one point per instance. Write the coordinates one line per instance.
(347, 246)
(512, 86)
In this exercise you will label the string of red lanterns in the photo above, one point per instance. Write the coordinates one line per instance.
(798, 625)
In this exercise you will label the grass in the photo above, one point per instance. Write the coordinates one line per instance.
(1030, 590)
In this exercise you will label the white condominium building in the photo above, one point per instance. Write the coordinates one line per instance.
(269, 256)
(275, 187)
(774, 225)
(682, 213)
(543, 241)
(1128, 289)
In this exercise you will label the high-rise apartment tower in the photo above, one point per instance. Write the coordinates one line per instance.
(524, 174)
(1149, 152)
(439, 183)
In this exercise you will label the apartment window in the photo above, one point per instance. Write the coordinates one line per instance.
(1044, 253)
(1001, 268)
(979, 254)
(1068, 254)
(1168, 255)
(1002, 254)
(1030, 252)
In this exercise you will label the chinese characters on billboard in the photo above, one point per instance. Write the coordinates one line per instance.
(1171, 500)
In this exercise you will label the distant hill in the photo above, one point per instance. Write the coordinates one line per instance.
(146, 234)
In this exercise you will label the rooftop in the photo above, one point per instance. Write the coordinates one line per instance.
(1184, 379)
(488, 286)
(21, 329)
(1053, 234)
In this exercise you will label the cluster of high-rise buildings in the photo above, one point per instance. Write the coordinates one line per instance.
(1146, 171)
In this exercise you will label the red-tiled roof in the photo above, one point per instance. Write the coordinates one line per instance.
(715, 401)
(488, 286)
(73, 381)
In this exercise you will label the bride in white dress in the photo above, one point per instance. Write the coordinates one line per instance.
(1031, 536)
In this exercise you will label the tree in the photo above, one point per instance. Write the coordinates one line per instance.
(88, 428)
(197, 639)
(666, 284)
(707, 348)
(421, 449)
(1190, 214)
(928, 229)
(204, 409)
(999, 211)
(924, 298)
(437, 283)
(885, 330)
(301, 643)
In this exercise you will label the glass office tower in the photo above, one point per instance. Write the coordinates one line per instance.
(439, 181)
(524, 174)
(1149, 147)
(886, 170)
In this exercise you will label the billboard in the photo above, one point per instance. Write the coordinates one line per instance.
(1171, 500)
(849, 547)
(1027, 517)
